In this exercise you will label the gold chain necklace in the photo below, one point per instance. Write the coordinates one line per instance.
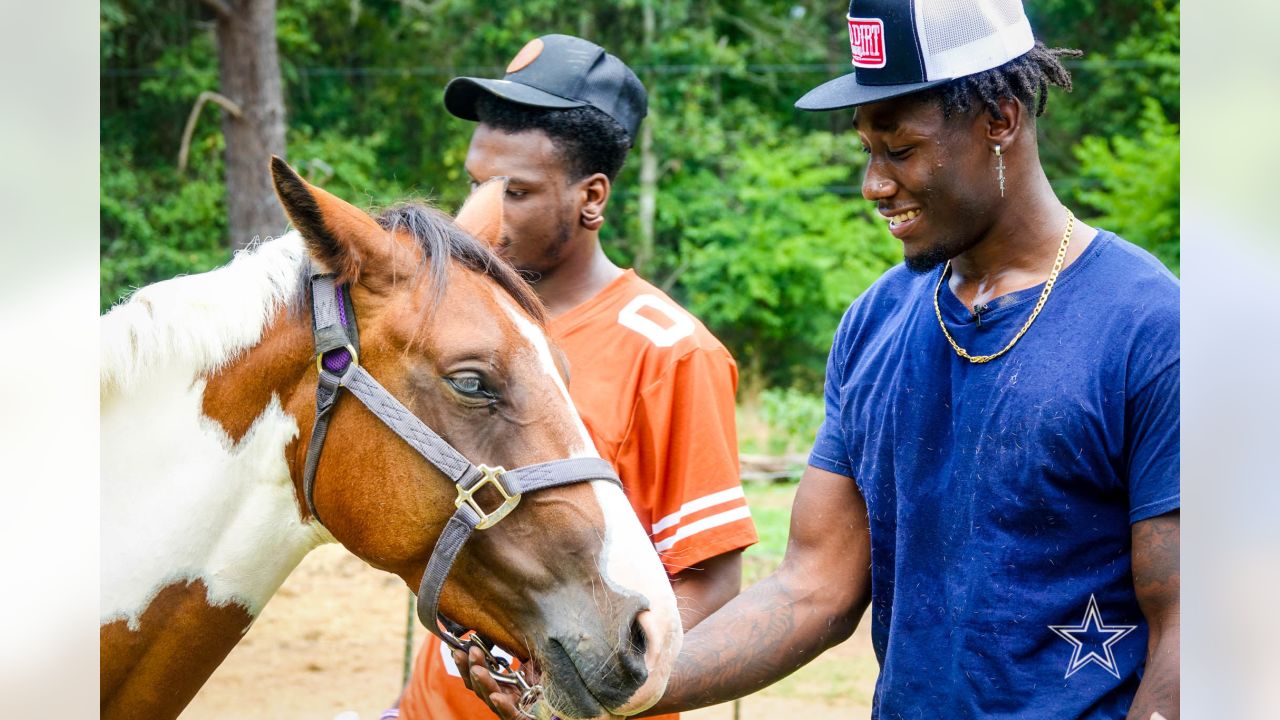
(1044, 295)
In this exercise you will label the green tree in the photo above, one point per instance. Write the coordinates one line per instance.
(1137, 191)
(771, 254)
(759, 225)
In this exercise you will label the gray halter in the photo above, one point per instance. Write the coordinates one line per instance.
(337, 359)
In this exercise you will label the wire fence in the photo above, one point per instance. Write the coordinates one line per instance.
(450, 71)
(118, 76)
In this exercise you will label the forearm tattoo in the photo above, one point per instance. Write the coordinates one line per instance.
(1157, 581)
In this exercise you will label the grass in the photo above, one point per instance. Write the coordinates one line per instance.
(847, 682)
(770, 505)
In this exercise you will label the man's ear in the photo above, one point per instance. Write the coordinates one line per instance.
(595, 198)
(481, 214)
(1005, 131)
(340, 237)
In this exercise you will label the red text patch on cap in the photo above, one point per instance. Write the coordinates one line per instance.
(866, 40)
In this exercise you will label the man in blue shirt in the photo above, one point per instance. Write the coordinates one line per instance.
(997, 475)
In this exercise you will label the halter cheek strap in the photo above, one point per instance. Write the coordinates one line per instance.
(337, 360)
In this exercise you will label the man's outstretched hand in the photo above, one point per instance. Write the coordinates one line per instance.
(502, 699)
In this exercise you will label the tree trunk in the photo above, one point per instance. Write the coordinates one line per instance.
(648, 196)
(249, 73)
(648, 209)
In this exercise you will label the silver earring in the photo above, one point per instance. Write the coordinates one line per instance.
(1000, 169)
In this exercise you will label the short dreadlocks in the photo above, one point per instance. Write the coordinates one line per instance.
(1026, 77)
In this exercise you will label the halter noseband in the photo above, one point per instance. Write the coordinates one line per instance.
(337, 359)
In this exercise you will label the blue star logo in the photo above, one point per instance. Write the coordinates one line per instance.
(1097, 637)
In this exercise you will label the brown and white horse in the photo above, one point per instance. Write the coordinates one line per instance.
(208, 398)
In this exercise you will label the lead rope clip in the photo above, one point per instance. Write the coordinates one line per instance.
(504, 674)
(528, 701)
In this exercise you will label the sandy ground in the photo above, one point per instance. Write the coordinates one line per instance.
(331, 643)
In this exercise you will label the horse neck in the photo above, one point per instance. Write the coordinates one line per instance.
(197, 488)
(206, 539)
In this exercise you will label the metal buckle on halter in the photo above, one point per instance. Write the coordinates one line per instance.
(355, 357)
(489, 476)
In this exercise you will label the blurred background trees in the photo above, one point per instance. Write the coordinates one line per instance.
(753, 217)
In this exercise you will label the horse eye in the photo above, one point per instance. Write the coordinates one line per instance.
(470, 385)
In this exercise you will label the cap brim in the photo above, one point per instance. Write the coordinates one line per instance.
(845, 92)
(461, 93)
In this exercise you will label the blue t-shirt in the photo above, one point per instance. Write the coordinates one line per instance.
(1000, 496)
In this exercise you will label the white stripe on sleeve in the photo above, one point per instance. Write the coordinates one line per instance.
(695, 505)
(706, 523)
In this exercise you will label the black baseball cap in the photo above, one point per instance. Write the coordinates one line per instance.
(559, 71)
(905, 46)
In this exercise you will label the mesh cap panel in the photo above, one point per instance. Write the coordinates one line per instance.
(962, 37)
(949, 24)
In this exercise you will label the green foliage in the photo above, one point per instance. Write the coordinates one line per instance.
(772, 248)
(760, 226)
(346, 166)
(778, 422)
(156, 225)
(1137, 196)
(793, 417)
(1131, 51)
(770, 505)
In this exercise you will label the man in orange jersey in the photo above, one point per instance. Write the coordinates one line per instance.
(654, 387)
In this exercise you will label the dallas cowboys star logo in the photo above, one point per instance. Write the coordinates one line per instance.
(1097, 636)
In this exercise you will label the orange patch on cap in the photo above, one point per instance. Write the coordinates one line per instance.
(527, 54)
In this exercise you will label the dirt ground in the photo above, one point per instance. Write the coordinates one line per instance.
(331, 643)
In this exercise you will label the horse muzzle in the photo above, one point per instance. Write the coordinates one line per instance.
(588, 674)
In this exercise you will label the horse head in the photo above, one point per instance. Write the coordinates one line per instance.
(569, 577)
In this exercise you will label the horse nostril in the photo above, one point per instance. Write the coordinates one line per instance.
(639, 643)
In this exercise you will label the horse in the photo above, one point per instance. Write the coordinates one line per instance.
(211, 494)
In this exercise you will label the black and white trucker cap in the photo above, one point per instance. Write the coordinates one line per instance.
(559, 71)
(904, 46)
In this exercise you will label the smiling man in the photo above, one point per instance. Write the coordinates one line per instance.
(997, 476)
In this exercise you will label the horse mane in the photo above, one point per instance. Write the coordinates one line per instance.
(206, 320)
(439, 237)
(202, 320)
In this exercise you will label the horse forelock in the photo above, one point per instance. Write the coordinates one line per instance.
(440, 238)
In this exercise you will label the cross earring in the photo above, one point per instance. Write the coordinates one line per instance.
(1000, 169)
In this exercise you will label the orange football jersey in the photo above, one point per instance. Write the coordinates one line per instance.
(656, 391)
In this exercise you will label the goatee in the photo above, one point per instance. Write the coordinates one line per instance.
(940, 252)
(928, 260)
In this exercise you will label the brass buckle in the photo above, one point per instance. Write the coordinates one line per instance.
(355, 358)
(490, 477)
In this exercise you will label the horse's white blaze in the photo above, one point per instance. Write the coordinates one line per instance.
(542, 349)
(628, 558)
(180, 500)
(630, 561)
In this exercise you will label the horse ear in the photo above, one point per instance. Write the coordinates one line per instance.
(340, 236)
(481, 214)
